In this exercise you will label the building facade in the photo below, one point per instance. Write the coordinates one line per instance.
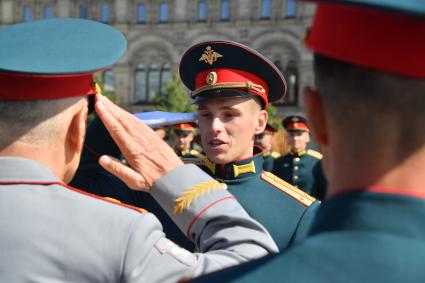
(158, 32)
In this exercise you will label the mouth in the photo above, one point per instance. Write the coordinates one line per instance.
(215, 143)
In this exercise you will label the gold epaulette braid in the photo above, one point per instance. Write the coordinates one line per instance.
(195, 192)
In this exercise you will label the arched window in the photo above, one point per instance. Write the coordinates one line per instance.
(202, 11)
(84, 11)
(225, 10)
(291, 82)
(104, 13)
(265, 9)
(140, 78)
(150, 81)
(141, 14)
(291, 8)
(48, 12)
(165, 75)
(163, 12)
(153, 81)
(108, 81)
(27, 13)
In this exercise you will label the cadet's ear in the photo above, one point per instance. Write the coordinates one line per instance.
(316, 116)
(77, 130)
(261, 121)
(74, 140)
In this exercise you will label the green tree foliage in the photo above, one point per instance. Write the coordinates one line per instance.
(174, 97)
(98, 77)
(274, 119)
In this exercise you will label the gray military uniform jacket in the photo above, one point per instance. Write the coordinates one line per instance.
(54, 233)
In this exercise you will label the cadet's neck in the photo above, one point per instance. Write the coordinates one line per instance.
(50, 156)
(384, 166)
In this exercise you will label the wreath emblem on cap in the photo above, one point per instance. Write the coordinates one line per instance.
(210, 56)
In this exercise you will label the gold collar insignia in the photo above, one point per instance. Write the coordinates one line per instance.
(246, 168)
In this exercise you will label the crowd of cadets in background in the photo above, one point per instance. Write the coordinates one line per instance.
(287, 152)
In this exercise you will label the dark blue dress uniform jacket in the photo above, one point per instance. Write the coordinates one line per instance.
(303, 171)
(285, 211)
(357, 237)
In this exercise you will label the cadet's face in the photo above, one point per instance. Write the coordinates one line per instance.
(297, 141)
(183, 141)
(228, 127)
(266, 141)
(162, 133)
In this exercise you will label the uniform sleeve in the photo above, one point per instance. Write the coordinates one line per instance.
(306, 223)
(223, 233)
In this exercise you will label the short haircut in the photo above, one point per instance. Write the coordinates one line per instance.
(361, 99)
(31, 121)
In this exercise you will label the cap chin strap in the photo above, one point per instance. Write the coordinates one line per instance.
(244, 85)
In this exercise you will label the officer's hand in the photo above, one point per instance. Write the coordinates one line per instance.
(148, 155)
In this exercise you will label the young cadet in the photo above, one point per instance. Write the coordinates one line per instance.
(183, 135)
(301, 167)
(51, 232)
(232, 86)
(265, 141)
(370, 79)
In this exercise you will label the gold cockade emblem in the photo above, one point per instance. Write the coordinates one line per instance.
(210, 56)
(96, 88)
(211, 78)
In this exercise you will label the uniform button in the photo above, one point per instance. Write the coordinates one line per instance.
(296, 167)
(295, 177)
(296, 159)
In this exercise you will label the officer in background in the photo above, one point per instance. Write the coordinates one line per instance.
(183, 135)
(265, 141)
(52, 232)
(370, 78)
(162, 132)
(301, 167)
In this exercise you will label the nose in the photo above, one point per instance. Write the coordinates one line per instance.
(216, 125)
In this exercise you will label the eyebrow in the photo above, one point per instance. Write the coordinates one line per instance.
(201, 108)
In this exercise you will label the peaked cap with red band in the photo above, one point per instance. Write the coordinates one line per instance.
(270, 128)
(217, 69)
(56, 58)
(184, 127)
(295, 123)
(385, 35)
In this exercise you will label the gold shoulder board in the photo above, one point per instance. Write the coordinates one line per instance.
(196, 153)
(314, 153)
(287, 188)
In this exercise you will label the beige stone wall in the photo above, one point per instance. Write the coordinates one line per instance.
(279, 38)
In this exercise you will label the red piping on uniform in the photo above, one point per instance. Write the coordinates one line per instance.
(73, 189)
(203, 210)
